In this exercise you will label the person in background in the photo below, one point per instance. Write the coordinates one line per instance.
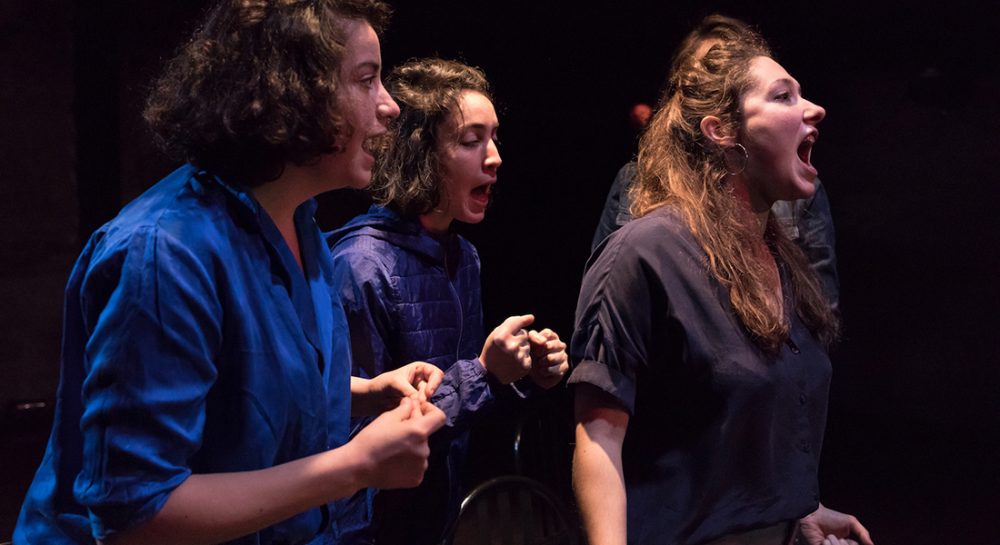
(702, 378)
(411, 287)
(205, 390)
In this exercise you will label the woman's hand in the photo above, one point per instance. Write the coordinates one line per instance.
(417, 380)
(507, 352)
(825, 526)
(548, 358)
(395, 444)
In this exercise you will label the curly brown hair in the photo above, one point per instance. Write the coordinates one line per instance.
(679, 166)
(407, 176)
(255, 88)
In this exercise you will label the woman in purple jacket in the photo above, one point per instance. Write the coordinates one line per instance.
(411, 291)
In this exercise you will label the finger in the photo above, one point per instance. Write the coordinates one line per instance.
(404, 410)
(432, 419)
(405, 388)
(549, 334)
(422, 390)
(414, 409)
(433, 380)
(537, 338)
(524, 354)
(859, 531)
(555, 346)
(514, 324)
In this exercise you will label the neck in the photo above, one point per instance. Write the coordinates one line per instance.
(758, 208)
(435, 222)
(282, 197)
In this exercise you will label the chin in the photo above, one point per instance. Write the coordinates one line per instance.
(471, 218)
(359, 180)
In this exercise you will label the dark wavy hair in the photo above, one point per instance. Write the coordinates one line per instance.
(680, 167)
(255, 88)
(407, 176)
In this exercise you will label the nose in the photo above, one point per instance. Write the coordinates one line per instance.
(493, 160)
(814, 113)
(386, 108)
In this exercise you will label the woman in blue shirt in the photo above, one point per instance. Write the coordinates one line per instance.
(411, 289)
(205, 389)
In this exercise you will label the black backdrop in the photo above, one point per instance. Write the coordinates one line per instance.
(908, 153)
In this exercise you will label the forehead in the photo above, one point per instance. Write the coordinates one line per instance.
(765, 71)
(475, 109)
(360, 44)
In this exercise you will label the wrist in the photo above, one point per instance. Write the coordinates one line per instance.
(360, 387)
(353, 466)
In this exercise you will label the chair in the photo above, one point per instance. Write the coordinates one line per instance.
(512, 510)
(542, 448)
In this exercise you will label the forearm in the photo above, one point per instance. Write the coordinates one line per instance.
(211, 508)
(361, 402)
(598, 477)
(600, 489)
(464, 391)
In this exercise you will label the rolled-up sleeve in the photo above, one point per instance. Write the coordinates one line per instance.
(154, 326)
(613, 331)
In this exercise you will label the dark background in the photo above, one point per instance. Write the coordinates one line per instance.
(909, 154)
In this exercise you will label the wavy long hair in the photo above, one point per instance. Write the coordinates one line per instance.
(408, 174)
(680, 167)
(256, 86)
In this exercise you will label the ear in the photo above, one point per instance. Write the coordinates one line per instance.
(712, 128)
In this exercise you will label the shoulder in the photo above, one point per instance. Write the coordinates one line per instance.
(467, 251)
(662, 232)
(364, 249)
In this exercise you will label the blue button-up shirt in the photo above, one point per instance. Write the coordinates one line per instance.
(192, 343)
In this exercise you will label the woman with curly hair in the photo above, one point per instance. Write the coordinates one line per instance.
(410, 287)
(205, 390)
(701, 339)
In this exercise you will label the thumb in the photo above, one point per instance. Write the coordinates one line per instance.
(433, 417)
(517, 323)
(403, 411)
(405, 388)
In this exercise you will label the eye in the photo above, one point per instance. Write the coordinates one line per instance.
(470, 142)
(369, 81)
(783, 96)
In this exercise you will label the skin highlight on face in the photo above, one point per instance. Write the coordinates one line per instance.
(469, 159)
(366, 108)
(778, 131)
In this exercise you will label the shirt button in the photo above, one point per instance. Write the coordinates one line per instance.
(804, 445)
(802, 399)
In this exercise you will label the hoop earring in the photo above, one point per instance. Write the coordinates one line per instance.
(744, 158)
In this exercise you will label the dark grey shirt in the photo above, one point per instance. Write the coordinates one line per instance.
(722, 437)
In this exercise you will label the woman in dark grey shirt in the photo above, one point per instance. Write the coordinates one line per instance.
(702, 375)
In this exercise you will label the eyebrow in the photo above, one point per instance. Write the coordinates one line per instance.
(478, 126)
(788, 81)
(368, 65)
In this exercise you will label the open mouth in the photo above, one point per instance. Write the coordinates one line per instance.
(482, 192)
(805, 149)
